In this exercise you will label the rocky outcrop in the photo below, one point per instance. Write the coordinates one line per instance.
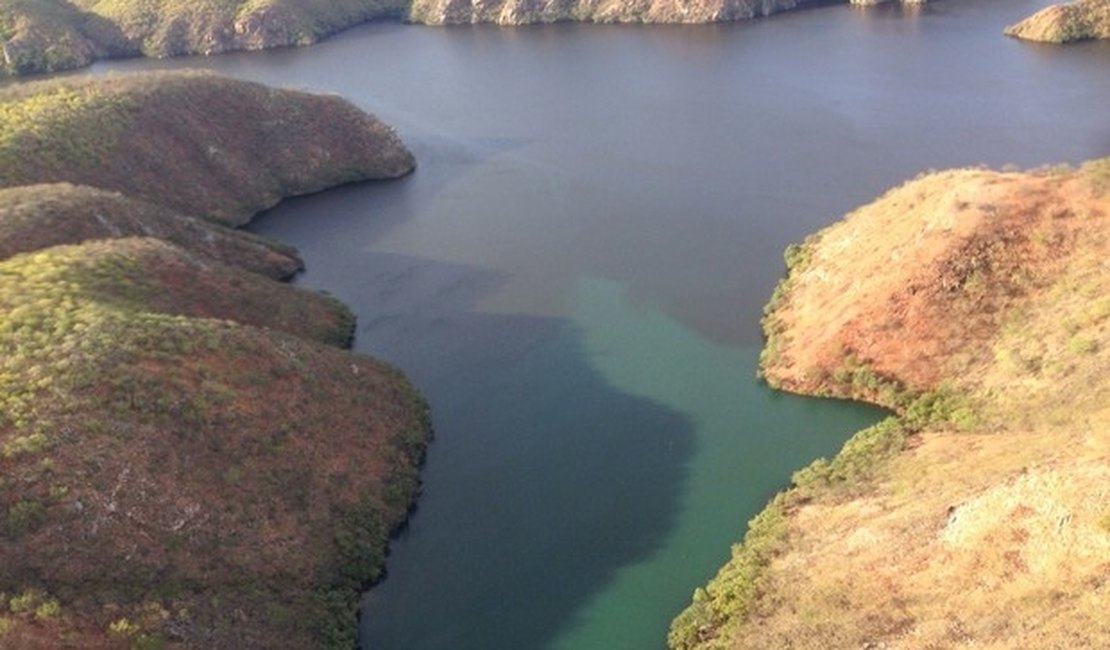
(1064, 23)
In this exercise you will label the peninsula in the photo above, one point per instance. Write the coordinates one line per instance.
(189, 455)
(976, 305)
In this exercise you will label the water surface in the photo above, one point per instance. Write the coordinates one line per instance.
(575, 275)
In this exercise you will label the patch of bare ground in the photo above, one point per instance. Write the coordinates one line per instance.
(982, 289)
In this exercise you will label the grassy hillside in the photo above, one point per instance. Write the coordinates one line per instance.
(976, 304)
(175, 27)
(194, 142)
(40, 216)
(49, 35)
(1064, 23)
(519, 12)
(188, 457)
(206, 481)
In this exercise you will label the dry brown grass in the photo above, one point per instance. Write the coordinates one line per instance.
(996, 287)
(968, 541)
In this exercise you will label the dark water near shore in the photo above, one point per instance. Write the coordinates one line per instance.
(575, 274)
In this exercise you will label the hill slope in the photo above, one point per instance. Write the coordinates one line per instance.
(41, 36)
(47, 35)
(976, 304)
(175, 27)
(40, 216)
(194, 142)
(1064, 23)
(188, 457)
(520, 12)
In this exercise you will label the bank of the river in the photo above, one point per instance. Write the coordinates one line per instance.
(977, 305)
(190, 456)
(38, 36)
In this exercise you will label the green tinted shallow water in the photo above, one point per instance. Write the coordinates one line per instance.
(744, 435)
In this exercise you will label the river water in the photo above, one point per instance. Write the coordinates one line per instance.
(575, 274)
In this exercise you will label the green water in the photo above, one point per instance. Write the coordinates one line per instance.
(745, 435)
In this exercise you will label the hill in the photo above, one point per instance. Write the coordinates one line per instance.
(976, 305)
(42, 36)
(47, 35)
(520, 12)
(189, 457)
(39, 36)
(176, 27)
(41, 216)
(1064, 23)
(193, 142)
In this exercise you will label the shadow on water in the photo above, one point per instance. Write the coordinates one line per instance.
(527, 516)
(522, 517)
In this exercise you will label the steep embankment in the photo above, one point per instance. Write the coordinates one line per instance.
(524, 12)
(48, 35)
(193, 142)
(43, 36)
(1064, 23)
(188, 457)
(175, 27)
(977, 305)
(520, 12)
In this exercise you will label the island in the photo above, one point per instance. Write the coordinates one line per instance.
(190, 456)
(975, 304)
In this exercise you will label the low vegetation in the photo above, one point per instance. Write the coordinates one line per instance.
(974, 304)
(33, 217)
(174, 27)
(188, 456)
(48, 35)
(1064, 23)
(39, 36)
(193, 142)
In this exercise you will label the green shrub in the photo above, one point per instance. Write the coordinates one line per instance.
(730, 595)
(25, 515)
(48, 609)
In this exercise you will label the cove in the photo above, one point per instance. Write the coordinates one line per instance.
(576, 271)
